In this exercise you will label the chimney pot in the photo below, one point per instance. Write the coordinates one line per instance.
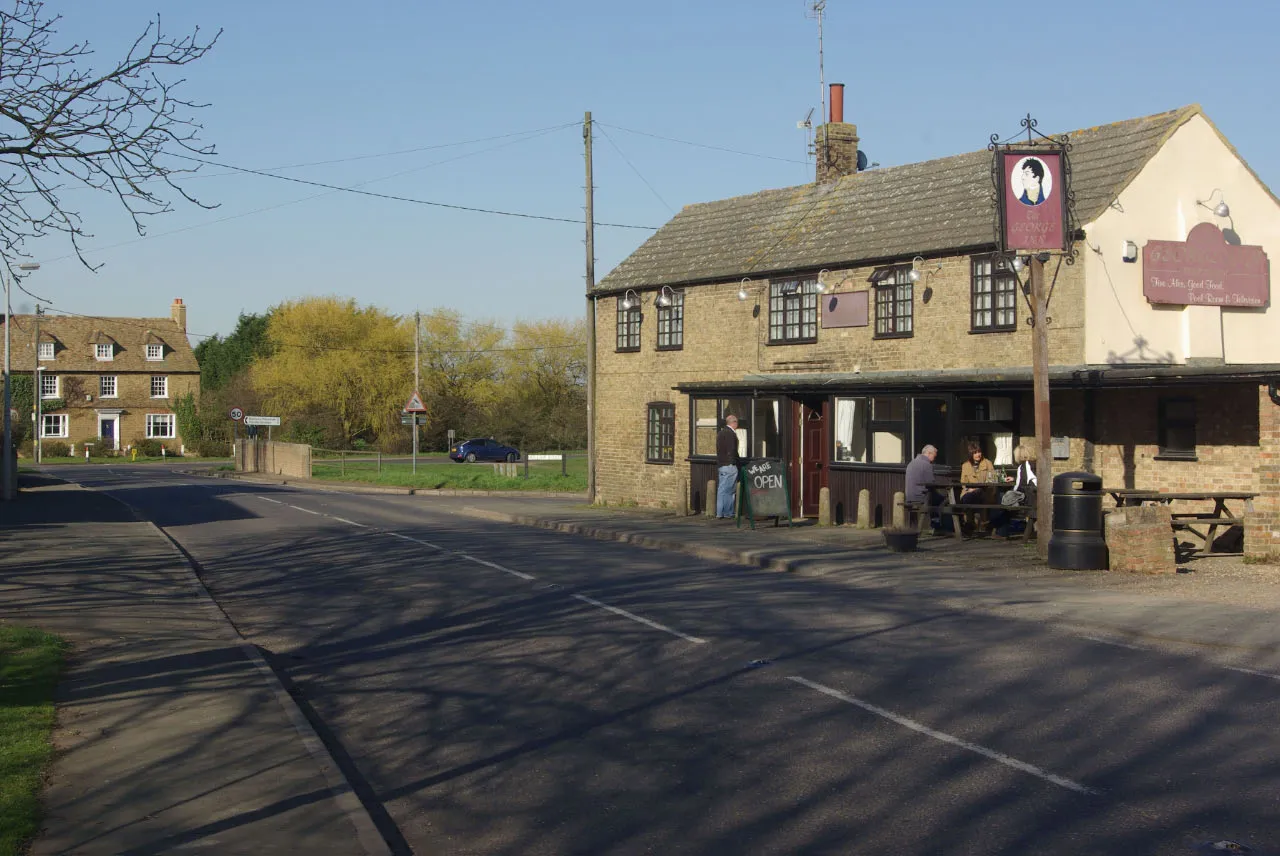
(837, 103)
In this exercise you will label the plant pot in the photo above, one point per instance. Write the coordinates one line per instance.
(901, 540)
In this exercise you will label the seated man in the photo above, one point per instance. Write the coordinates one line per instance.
(919, 475)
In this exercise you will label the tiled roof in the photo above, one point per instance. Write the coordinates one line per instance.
(75, 337)
(890, 213)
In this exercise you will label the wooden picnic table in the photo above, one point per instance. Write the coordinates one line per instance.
(1220, 515)
(953, 508)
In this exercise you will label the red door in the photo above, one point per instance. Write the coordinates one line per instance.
(813, 455)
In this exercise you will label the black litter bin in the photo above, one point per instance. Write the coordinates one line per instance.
(1077, 543)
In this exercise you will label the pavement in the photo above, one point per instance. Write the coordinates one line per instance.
(175, 734)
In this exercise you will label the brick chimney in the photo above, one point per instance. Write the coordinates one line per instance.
(178, 312)
(836, 143)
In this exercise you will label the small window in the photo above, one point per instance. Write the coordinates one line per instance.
(628, 325)
(155, 352)
(45, 351)
(107, 386)
(994, 295)
(793, 311)
(160, 426)
(53, 425)
(159, 386)
(671, 322)
(660, 443)
(104, 352)
(894, 298)
(48, 386)
(1177, 428)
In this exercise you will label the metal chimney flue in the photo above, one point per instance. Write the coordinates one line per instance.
(837, 102)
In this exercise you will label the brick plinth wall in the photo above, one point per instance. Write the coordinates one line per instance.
(1140, 540)
(1262, 526)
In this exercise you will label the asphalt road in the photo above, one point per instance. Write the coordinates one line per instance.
(501, 690)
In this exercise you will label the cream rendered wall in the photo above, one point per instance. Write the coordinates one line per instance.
(1160, 204)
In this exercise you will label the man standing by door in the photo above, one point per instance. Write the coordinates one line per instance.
(727, 460)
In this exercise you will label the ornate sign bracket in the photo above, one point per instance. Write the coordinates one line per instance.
(1032, 199)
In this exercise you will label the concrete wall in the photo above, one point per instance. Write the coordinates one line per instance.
(281, 459)
(1160, 204)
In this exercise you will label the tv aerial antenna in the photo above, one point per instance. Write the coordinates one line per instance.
(806, 125)
(817, 9)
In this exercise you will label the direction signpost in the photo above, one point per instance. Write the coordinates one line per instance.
(269, 421)
(410, 416)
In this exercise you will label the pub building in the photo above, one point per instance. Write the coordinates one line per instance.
(851, 321)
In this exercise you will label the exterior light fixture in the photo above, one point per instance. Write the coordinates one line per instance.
(1017, 264)
(1222, 209)
(665, 297)
(1129, 252)
(914, 273)
(630, 299)
(742, 289)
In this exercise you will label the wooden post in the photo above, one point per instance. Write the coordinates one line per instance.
(1040, 392)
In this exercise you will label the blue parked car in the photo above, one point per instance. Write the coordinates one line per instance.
(483, 450)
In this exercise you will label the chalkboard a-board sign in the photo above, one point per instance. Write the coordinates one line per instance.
(763, 491)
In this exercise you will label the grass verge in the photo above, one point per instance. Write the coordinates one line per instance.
(543, 475)
(30, 662)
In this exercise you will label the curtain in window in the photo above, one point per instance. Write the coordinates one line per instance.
(1004, 447)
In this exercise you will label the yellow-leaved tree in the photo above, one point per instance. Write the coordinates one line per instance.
(461, 370)
(338, 372)
(543, 401)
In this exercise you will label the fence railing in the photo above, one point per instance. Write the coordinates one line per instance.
(325, 461)
(520, 469)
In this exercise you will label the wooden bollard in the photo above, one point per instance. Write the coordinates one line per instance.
(824, 506)
(864, 509)
(899, 510)
(709, 499)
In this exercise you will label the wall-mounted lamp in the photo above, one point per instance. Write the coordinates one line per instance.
(1129, 252)
(1017, 264)
(630, 299)
(915, 273)
(742, 289)
(665, 297)
(1222, 209)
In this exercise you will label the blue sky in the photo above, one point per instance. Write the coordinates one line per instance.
(293, 83)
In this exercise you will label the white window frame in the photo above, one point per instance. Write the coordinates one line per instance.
(104, 353)
(61, 420)
(45, 351)
(163, 386)
(103, 384)
(155, 352)
(57, 386)
(168, 423)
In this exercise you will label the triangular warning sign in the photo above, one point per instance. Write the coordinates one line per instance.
(415, 404)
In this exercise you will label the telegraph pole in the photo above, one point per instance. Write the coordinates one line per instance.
(37, 449)
(591, 317)
(1040, 392)
(417, 338)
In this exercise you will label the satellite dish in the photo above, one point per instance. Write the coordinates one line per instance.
(862, 160)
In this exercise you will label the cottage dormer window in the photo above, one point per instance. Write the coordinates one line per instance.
(104, 352)
(45, 351)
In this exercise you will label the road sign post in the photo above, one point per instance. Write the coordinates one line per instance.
(413, 407)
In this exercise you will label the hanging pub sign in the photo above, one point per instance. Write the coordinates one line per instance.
(1204, 270)
(1031, 197)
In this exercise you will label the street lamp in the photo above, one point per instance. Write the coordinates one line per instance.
(10, 476)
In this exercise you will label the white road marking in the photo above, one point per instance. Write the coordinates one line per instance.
(307, 510)
(415, 540)
(1115, 643)
(1253, 672)
(497, 567)
(947, 738)
(1269, 675)
(267, 499)
(655, 625)
(345, 520)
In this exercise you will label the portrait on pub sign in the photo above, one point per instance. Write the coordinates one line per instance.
(1031, 181)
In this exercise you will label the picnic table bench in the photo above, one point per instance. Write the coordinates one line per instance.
(952, 507)
(1220, 516)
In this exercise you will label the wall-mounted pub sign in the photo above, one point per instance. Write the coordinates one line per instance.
(1204, 270)
(1032, 198)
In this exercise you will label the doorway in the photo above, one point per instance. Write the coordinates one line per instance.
(812, 454)
(108, 430)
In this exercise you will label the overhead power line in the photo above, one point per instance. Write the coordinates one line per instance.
(703, 145)
(409, 199)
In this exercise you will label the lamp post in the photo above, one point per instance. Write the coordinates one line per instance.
(10, 477)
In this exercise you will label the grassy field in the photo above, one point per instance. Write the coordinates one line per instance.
(30, 662)
(543, 475)
(121, 459)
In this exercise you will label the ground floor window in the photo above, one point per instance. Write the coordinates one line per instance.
(1177, 428)
(760, 423)
(660, 442)
(160, 426)
(53, 425)
(871, 430)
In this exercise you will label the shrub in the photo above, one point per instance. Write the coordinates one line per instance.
(101, 448)
(213, 448)
(147, 448)
(55, 449)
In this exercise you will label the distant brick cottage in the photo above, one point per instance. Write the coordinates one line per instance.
(849, 322)
(107, 380)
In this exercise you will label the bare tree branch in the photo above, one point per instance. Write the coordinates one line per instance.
(63, 123)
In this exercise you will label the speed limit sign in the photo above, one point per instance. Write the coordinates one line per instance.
(237, 414)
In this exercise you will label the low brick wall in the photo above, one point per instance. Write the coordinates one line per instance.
(280, 459)
(1140, 540)
(1261, 537)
